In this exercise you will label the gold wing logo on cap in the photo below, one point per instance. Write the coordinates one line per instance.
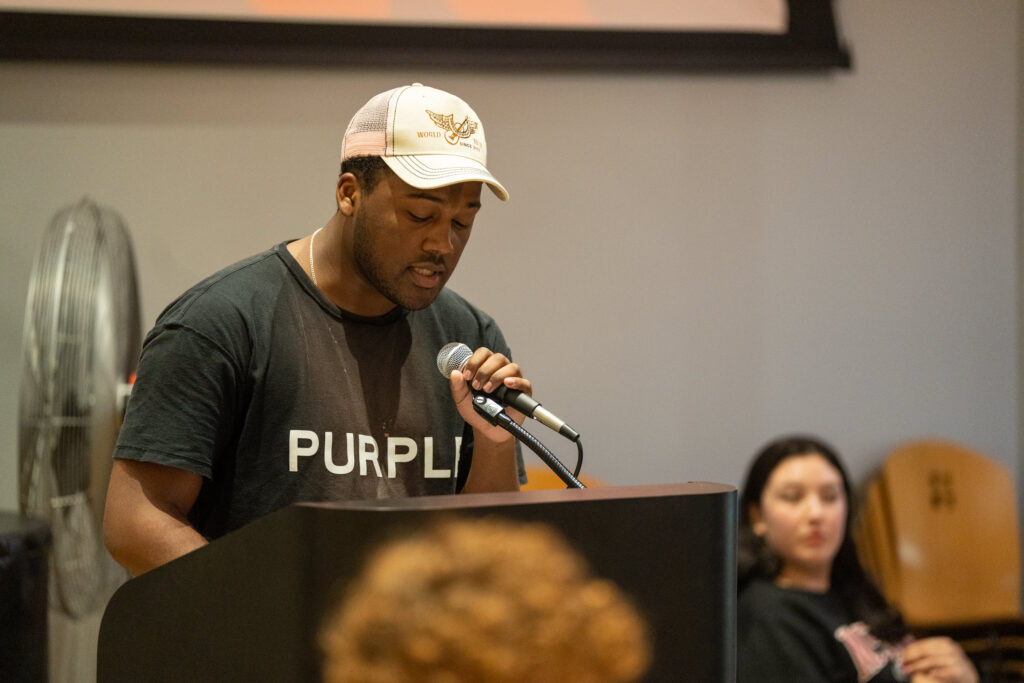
(453, 133)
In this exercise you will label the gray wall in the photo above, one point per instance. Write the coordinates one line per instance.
(1020, 255)
(690, 264)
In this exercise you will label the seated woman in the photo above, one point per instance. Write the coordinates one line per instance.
(807, 610)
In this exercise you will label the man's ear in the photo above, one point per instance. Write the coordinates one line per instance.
(757, 524)
(347, 194)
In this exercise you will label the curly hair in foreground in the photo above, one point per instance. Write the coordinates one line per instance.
(483, 600)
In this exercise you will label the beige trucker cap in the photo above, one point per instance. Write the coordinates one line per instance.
(428, 137)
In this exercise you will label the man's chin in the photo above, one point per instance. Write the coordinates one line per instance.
(418, 300)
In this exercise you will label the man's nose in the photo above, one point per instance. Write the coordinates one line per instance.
(440, 238)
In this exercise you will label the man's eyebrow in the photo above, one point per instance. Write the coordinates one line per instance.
(424, 195)
(439, 200)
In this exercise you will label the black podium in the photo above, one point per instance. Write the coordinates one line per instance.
(247, 607)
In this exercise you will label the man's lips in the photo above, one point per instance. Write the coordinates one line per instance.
(426, 275)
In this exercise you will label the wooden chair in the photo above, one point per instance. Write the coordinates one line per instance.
(542, 478)
(873, 538)
(939, 532)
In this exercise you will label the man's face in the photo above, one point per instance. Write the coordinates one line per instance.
(407, 241)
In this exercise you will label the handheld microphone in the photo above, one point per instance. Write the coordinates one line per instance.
(454, 356)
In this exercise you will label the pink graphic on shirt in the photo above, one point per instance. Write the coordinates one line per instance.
(869, 654)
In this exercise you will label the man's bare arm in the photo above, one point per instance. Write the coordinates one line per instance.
(146, 520)
(494, 468)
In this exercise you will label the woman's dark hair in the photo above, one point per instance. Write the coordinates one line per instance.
(859, 595)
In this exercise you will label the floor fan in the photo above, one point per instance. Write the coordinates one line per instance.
(81, 344)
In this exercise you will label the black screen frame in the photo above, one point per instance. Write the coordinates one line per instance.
(810, 43)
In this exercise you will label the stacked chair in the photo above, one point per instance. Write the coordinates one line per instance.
(541, 478)
(938, 531)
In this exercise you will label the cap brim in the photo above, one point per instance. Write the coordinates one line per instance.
(428, 171)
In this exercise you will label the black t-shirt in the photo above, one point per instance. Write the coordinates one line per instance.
(787, 635)
(257, 383)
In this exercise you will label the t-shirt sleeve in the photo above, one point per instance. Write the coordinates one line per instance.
(181, 406)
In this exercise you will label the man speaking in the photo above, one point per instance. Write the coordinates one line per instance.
(306, 372)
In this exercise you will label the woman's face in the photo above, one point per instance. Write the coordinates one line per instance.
(802, 517)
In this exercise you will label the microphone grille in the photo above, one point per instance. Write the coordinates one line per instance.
(452, 357)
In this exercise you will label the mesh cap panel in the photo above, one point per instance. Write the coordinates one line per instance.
(366, 134)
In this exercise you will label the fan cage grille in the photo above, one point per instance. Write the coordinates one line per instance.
(81, 343)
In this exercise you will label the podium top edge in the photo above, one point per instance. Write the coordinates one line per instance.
(477, 500)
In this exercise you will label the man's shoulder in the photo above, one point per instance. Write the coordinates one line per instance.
(237, 287)
(451, 298)
(452, 318)
(450, 302)
(243, 275)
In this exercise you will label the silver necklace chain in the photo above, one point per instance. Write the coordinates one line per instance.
(312, 271)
